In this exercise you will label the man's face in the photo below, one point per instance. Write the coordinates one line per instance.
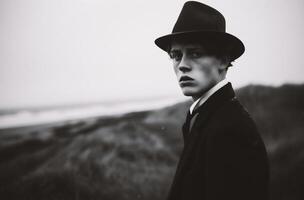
(195, 69)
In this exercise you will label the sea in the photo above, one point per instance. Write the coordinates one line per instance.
(22, 117)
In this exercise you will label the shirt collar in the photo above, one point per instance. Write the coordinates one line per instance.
(207, 94)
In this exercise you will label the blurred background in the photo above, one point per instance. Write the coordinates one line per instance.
(90, 108)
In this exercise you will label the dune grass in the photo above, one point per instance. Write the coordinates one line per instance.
(134, 156)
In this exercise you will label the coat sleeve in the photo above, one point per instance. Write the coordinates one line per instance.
(235, 165)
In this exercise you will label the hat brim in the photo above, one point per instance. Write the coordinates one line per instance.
(232, 46)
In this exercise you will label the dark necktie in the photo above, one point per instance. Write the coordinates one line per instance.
(190, 118)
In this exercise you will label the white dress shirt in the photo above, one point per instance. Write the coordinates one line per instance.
(206, 95)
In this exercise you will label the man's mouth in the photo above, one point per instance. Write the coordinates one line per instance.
(185, 78)
(186, 81)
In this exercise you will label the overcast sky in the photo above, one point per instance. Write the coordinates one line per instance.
(75, 51)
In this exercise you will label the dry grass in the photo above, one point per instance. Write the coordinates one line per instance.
(134, 156)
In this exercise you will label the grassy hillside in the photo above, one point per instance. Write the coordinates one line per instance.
(134, 156)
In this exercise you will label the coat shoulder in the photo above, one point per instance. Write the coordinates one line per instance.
(233, 116)
(233, 122)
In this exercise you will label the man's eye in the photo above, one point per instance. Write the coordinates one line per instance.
(196, 54)
(175, 56)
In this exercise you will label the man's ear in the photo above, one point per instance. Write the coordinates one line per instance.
(225, 63)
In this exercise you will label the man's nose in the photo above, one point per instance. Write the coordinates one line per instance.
(184, 65)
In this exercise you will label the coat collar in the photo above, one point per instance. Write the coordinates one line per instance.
(217, 99)
(207, 94)
(203, 112)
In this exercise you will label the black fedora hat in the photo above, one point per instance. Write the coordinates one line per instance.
(200, 22)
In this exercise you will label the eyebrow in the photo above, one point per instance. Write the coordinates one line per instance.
(195, 48)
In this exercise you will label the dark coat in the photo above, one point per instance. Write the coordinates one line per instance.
(224, 156)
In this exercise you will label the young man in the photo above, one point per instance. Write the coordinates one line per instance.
(224, 156)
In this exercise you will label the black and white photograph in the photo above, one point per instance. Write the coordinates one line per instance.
(151, 100)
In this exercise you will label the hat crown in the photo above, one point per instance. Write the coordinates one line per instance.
(199, 17)
(201, 23)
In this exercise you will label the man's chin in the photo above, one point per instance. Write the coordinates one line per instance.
(192, 92)
(189, 92)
